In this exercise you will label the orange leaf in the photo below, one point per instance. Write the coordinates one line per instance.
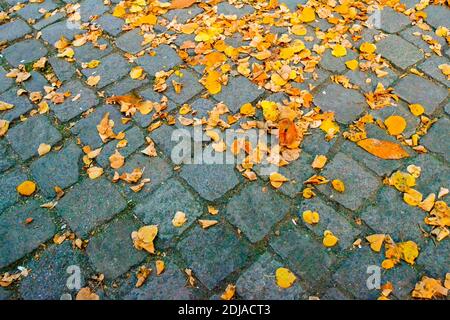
(180, 4)
(383, 149)
(287, 132)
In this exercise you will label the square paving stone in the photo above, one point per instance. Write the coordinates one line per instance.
(112, 252)
(130, 41)
(8, 184)
(125, 86)
(111, 68)
(190, 87)
(35, 83)
(258, 282)
(155, 168)
(434, 175)
(69, 109)
(438, 16)
(392, 21)
(435, 258)
(335, 64)
(26, 137)
(48, 21)
(315, 143)
(183, 15)
(64, 70)
(359, 183)
(431, 68)
(314, 79)
(88, 51)
(160, 208)
(19, 238)
(403, 278)
(356, 271)
(230, 10)
(211, 181)
(55, 31)
(163, 139)
(36, 11)
(59, 168)
(334, 294)
(21, 104)
(255, 211)
(135, 139)
(24, 52)
(170, 285)
(415, 89)
(92, 8)
(49, 274)
(305, 255)
(414, 35)
(6, 156)
(14, 30)
(5, 83)
(238, 91)
(391, 215)
(86, 129)
(90, 204)
(164, 58)
(398, 51)
(347, 104)
(214, 253)
(437, 140)
(110, 24)
(360, 78)
(330, 219)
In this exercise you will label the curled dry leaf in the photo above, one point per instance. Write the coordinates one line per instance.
(179, 219)
(93, 81)
(338, 185)
(181, 4)
(319, 162)
(86, 294)
(383, 149)
(142, 274)
(205, 224)
(229, 293)
(116, 160)
(212, 210)
(44, 149)
(4, 126)
(144, 237)
(94, 172)
(429, 288)
(160, 267)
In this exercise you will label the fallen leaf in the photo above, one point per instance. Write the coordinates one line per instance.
(160, 267)
(395, 125)
(93, 81)
(338, 185)
(230, 290)
(143, 238)
(376, 241)
(383, 149)
(181, 4)
(94, 172)
(136, 72)
(205, 224)
(26, 188)
(319, 162)
(116, 160)
(329, 239)
(44, 149)
(142, 275)
(179, 219)
(277, 179)
(339, 51)
(311, 217)
(284, 278)
(86, 294)
(4, 126)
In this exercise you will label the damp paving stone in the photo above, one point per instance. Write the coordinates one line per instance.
(330, 219)
(403, 278)
(154, 168)
(360, 79)
(12, 224)
(24, 52)
(391, 215)
(392, 21)
(313, 79)
(224, 254)
(90, 204)
(255, 210)
(230, 10)
(303, 254)
(21, 104)
(35, 83)
(14, 30)
(435, 139)
(314, 142)
(144, 120)
(8, 184)
(5, 294)
(183, 15)
(64, 70)
(130, 41)
(415, 34)
(334, 294)
(110, 24)
(26, 137)
(434, 175)
(71, 108)
(111, 251)
(399, 51)
(163, 136)
(170, 285)
(59, 168)
(258, 282)
(211, 181)
(431, 68)
(54, 32)
(160, 208)
(438, 16)
(415, 89)
(435, 258)
(92, 8)
(336, 64)
(237, 92)
(89, 52)
(347, 104)
(5, 83)
(125, 86)
(49, 275)
(359, 183)
(41, 24)
(111, 69)
(190, 87)
(135, 139)
(36, 11)
(86, 129)
(164, 58)
(6, 157)
(354, 272)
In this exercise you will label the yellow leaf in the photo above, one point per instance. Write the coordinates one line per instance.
(329, 127)
(205, 224)
(416, 109)
(143, 238)
(26, 188)
(376, 241)
(352, 64)
(284, 278)
(5, 106)
(148, 19)
(277, 179)
(160, 267)
(339, 51)
(286, 53)
(94, 172)
(93, 81)
(412, 197)
(319, 162)
(383, 149)
(87, 294)
(136, 72)
(409, 251)
(270, 110)
(181, 4)
(230, 290)
(311, 217)
(338, 185)
(402, 181)
(247, 109)
(44, 149)
(93, 64)
(395, 125)
(298, 30)
(119, 11)
(388, 264)
(4, 126)
(329, 239)
(307, 15)
(367, 47)
(116, 160)
(179, 219)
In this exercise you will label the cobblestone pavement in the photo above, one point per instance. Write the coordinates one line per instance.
(256, 233)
